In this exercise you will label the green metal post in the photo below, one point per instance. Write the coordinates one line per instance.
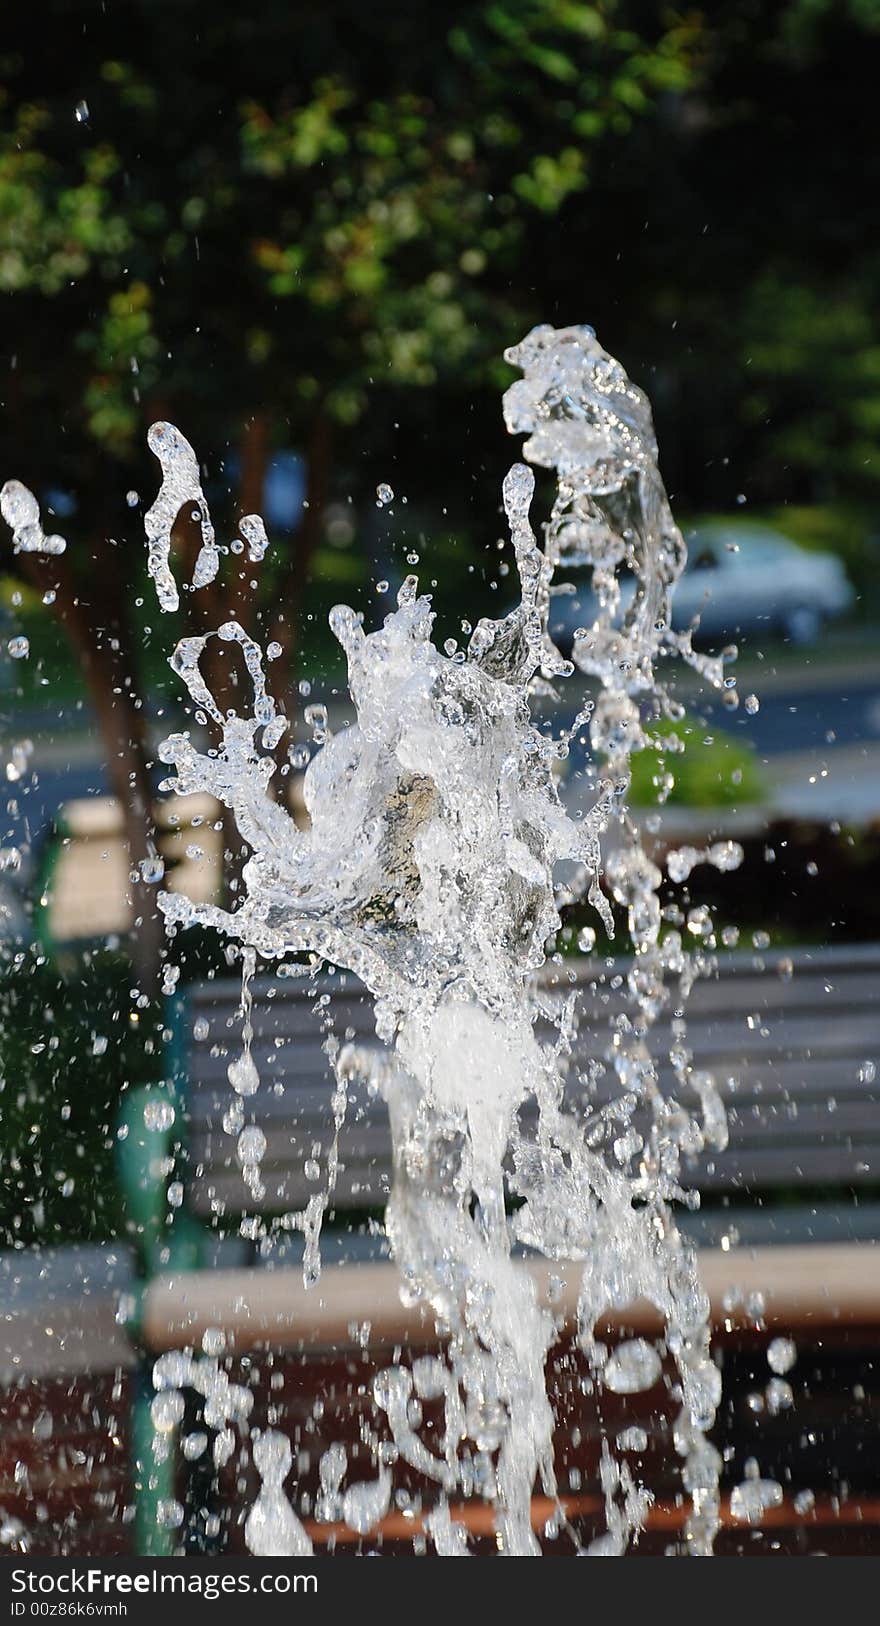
(166, 1238)
(153, 1476)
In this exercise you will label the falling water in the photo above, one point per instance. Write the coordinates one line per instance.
(438, 854)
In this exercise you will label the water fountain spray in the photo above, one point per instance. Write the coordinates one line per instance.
(438, 853)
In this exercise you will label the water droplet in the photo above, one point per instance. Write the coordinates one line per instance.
(365, 1504)
(43, 1426)
(251, 1146)
(384, 495)
(632, 1367)
(781, 1354)
(243, 1075)
(166, 1410)
(224, 1445)
(18, 648)
(158, 1114)
(779, 1396)
(750, 1500)
(632, 1439)
(725, 856)
(169, 1514)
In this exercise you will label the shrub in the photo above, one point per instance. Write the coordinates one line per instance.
(713, 770)
(69, 1043)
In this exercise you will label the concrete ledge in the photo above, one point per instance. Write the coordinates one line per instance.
(58, 1313)
(59, 1309)
(802, 1287)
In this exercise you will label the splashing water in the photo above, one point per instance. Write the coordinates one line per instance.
(21, 511)
(433, 869)
(272, 1525)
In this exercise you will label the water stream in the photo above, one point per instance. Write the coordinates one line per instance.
(437, 856)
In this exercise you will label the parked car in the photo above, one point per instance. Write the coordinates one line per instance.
(739, 578)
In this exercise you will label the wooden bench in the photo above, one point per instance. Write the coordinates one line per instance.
(792, 1039)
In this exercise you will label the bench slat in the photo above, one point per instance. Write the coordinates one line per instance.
(780, 1048)
(306, 1084)
(293, 1013)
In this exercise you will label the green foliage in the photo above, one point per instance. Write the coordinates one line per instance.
(819, 344)
(53, 228)
(377, 171)
(69, 1045)
(730, 246)
(294, 210)
(708, 769)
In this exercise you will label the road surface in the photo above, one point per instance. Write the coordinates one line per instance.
(809, 721)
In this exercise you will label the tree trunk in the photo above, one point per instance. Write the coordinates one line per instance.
(124, 735)
(285, 625)
(255, 447)
(100, 631)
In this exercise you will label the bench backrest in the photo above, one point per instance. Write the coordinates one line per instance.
(794, 1056)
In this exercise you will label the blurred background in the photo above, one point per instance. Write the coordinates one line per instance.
(306, 234)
